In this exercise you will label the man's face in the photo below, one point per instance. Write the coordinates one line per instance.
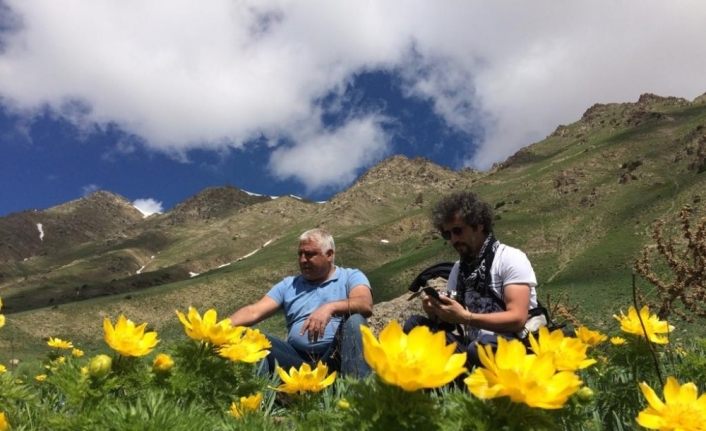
(314, 264)
(465, 239)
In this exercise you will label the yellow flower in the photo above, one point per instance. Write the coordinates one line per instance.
(420, 359)
(343, 404)
(99, 366)
(162, 363)
(127, 339)
(653, 326)
(246, 345)
(679, 350)
(58, 343)
(681, 409)
(246, 405)
(40, 377)
(305, 379)
(591, 338)
(2, 368)
(207, 329)
(617, 341)
(2, 317)
(4, 423)
(568, 353)
(525, 378)
(77, 353)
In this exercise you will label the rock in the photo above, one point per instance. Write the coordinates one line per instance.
(400, 308)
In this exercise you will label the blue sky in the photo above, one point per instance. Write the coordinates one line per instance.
(49, 160)
(157, 100)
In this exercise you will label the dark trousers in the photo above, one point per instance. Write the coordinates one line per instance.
(471, 349)
(345, 354)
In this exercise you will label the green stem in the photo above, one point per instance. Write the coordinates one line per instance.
(644, 331)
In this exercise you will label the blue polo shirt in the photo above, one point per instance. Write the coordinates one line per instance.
(299, 297)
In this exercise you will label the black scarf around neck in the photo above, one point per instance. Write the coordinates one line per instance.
(473, 284)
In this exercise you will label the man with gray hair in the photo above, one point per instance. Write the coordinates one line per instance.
(324, 307)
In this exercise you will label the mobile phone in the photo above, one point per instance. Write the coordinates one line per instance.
(430, 291)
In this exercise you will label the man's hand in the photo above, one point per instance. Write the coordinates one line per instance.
(429, 306)
(447, 309)
(315, 325)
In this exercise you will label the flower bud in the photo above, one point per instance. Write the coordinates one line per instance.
(100, 366)
(162, 363)
(585, 394)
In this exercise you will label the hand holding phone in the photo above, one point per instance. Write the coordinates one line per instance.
(430, 291)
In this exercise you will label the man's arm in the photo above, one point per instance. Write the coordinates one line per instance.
(254, 313)
(360, 300)
(517, 297)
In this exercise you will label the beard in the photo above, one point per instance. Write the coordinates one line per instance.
(465, 252)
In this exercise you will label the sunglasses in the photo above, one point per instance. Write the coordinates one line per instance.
(456, 231)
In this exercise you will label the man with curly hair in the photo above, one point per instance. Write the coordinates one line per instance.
(491, 288)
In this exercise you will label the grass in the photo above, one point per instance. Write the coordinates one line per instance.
(584, 250)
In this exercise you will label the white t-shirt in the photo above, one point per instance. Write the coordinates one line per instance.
(510, 266)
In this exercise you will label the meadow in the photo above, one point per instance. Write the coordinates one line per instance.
(208, 380)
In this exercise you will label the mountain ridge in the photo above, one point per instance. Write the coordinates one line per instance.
(33, 232)
(580, 203)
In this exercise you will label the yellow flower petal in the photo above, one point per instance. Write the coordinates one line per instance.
(568, 353)
(655, 329)
(524, 378)
(618, 341)
(208, 329)
(681, 409)
(420, 359)
(590, 337)
(58, 343)
(245, 345)
(305, 379)
(127, 339)
(246, 405)
(4, 423)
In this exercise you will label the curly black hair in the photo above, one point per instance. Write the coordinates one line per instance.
(468, 206)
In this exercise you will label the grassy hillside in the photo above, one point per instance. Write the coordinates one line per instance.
(580, 203)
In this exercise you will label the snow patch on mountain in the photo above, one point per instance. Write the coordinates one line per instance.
(255, 194)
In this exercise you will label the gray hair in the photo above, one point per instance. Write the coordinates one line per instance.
(321, 237)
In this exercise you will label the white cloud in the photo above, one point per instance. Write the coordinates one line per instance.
(183, 74)
(89, 188)
(148, 206)
(330, 158)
